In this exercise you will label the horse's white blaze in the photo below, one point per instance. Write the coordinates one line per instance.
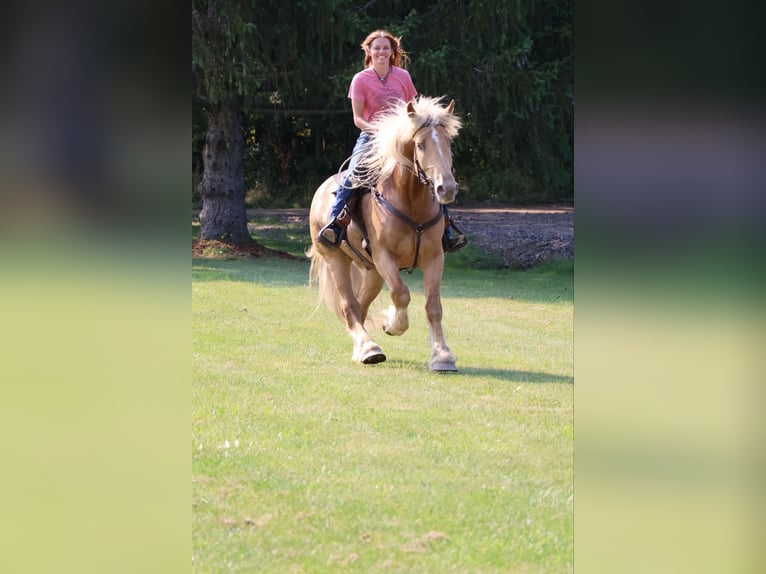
(435, 137)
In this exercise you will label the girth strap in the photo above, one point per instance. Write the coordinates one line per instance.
(418, 227)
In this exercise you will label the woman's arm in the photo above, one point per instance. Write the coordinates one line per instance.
(357, 106)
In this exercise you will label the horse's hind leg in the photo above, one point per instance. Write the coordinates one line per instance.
(365, 349)
(369, 352)
(372, 283)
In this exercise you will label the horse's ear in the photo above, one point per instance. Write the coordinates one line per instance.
(410, 109)
(451, 107)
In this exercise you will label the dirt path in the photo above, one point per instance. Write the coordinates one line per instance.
(521, 237)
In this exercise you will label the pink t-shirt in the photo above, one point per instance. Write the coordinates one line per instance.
(377, 95)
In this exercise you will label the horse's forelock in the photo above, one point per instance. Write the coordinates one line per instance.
(432, 109)
(395, 128)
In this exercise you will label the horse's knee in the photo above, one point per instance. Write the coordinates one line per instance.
(396, 320)
(400, 296)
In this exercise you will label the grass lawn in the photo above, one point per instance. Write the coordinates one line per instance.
(303, 461)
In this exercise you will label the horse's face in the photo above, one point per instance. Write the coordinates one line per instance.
(433, 154)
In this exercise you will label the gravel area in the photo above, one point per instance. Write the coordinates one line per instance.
(521, 237)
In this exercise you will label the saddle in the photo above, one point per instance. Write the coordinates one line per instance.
(352, 212)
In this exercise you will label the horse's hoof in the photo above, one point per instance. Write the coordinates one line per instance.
(374, 357)
(444, 368)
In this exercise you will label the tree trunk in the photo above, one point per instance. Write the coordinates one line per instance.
(222, 188)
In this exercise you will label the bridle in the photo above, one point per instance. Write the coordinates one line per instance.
(422, 176)
(419, 172)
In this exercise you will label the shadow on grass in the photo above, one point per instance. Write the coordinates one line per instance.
(509, 375)
(517, 376)
(269, 271)
(550, 283)
(468, 273)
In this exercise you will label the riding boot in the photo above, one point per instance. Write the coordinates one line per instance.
(449, 243)
(331, 234)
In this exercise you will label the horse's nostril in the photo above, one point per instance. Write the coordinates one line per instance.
(447, 190)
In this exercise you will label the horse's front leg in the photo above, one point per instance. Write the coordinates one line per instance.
(396, 321)
(442, 358)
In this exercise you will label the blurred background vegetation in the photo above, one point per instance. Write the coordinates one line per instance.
(508, 64)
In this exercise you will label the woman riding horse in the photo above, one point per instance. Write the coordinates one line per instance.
(400, 225)
(382, 83)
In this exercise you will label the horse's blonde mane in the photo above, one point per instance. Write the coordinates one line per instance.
(394, 128)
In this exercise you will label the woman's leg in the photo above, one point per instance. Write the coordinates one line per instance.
(330, 233)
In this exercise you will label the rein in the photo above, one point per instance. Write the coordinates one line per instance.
(418, 227)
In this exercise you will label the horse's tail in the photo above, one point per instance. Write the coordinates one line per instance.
(319, 275)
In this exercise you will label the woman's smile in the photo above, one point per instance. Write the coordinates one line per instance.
(381, 50)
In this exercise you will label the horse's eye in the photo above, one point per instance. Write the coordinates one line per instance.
(420, 145)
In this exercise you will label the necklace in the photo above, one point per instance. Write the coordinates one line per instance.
(384, 78)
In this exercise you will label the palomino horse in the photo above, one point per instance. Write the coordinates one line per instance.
(409, 169)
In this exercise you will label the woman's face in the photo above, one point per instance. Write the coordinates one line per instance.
(380, 50)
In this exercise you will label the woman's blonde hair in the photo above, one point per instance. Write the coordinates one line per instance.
(398, 56)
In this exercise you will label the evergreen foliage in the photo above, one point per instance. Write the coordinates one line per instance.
(508, 64)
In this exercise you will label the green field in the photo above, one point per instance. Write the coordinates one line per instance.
(303, 461)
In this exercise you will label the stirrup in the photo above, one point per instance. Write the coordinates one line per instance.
(330, 235)
(454, 243)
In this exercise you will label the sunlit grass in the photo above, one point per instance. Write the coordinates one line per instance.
(304, 461)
